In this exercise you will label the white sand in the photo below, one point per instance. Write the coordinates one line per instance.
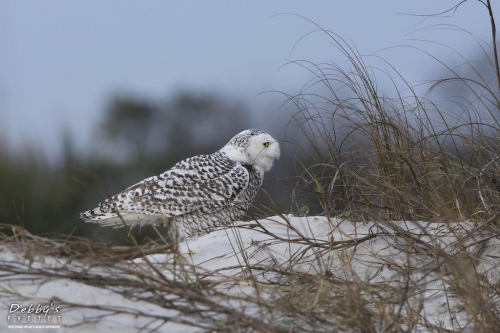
(381, 259)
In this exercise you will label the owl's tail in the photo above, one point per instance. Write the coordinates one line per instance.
(118, 219)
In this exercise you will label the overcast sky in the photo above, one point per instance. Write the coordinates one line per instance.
(60, 61)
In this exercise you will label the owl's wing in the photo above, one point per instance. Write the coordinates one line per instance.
(195, 183)
(198, 183)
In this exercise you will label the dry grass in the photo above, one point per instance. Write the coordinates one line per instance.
(404, 156)
(321, 284)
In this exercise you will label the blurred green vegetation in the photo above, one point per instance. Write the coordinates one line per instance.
(136, 139)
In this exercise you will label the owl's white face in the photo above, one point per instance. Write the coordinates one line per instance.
(263, 150)
(253, 147)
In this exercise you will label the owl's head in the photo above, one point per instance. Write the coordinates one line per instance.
(254, 147)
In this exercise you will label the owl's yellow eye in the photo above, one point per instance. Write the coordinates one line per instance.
(266, 144)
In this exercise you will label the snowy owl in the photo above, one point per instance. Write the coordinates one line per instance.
(198, 194)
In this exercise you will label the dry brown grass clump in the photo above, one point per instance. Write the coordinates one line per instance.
(402, 155)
